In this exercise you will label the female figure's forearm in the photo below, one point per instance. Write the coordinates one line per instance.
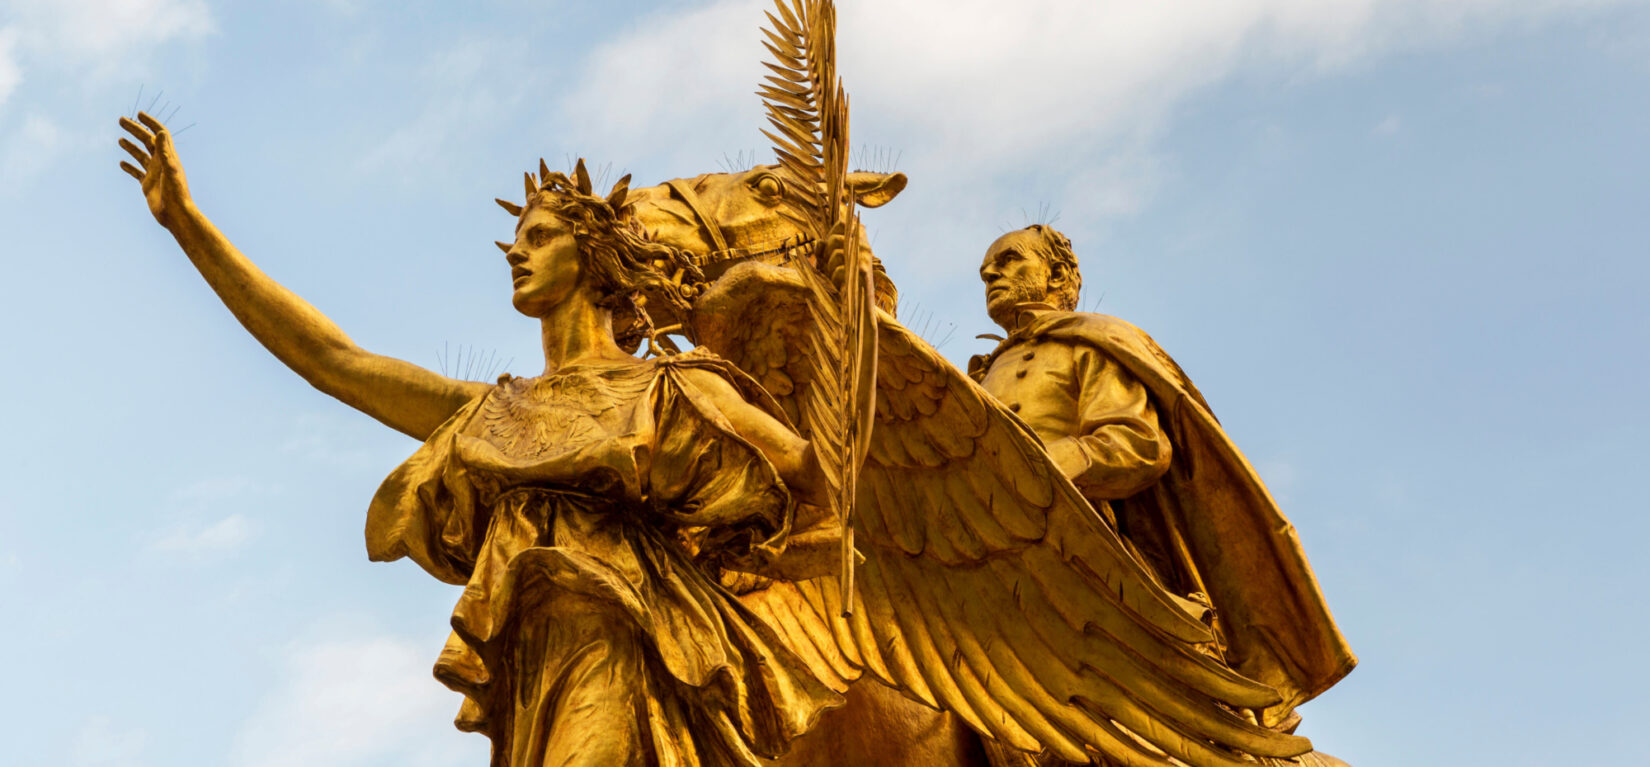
(290, 328)
(403, 396)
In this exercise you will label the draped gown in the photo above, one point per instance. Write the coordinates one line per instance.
(588, 514)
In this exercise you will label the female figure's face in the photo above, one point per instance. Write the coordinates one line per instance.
(545, 268)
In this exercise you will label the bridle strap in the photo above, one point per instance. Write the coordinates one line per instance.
(685, 192)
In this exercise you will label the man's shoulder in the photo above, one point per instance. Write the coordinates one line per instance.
(1101, 330)
(1075, 329)
(1121, 341)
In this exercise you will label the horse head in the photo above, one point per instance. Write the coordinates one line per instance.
(722, 219)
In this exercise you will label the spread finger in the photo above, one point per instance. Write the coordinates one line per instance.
(136, 153)
(138, 132)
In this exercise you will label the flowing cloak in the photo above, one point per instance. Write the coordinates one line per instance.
(1219, 521)
(620, 487)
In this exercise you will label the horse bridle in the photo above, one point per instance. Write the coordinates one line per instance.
(681, 189)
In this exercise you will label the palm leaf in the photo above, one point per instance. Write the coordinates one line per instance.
(809, 115)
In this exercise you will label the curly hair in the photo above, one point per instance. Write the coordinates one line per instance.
(626, 265)
(1065, 281)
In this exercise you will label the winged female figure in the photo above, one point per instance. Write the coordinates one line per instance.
(587, 512)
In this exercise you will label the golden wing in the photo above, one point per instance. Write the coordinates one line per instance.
(990, 587)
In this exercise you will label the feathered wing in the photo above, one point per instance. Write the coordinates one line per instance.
(989, 586)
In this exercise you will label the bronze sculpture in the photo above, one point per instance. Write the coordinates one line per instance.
(1127, 426)
(661, 569)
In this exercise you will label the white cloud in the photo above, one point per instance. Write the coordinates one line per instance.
(80, 45)
(213, 491)
(204, 533)
(1120, 184)
(204, 542)
(29, 150)
(465, 89)
(977, 89)
(345, 702)
(101, 743)
(105, 36)
(345, 441)
(9, 74)
(675, 74)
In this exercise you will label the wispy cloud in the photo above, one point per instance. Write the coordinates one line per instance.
(205, 533)
(466, 90)
(214, 491)
(10, 75)
(205, 541)
(101, 742)
(30, 149)
(344, 441)
(93, 44)
(979, 89)
(364, 700)
(95, 39)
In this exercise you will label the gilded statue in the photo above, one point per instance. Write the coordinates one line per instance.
(809, 520)
(1125, 424)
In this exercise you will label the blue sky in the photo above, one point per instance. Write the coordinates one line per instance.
(1401, 245)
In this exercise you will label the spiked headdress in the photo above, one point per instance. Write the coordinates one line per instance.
(636, 268)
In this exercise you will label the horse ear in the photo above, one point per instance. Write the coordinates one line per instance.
(873, 190)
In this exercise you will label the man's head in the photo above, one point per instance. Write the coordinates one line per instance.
(1031, 265)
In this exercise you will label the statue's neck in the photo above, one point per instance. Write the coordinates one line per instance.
(576, 332)
(1019, 318)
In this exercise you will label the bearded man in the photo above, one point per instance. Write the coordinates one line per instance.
(1129, 429)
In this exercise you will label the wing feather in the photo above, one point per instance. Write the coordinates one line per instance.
(1053, 611)
(990, 588)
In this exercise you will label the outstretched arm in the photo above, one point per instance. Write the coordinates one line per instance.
(403, 396)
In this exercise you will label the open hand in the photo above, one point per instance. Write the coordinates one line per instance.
(157, 168)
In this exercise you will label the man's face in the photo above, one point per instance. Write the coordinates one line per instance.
(1014, 273)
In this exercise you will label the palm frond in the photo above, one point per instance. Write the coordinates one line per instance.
(808, 112)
